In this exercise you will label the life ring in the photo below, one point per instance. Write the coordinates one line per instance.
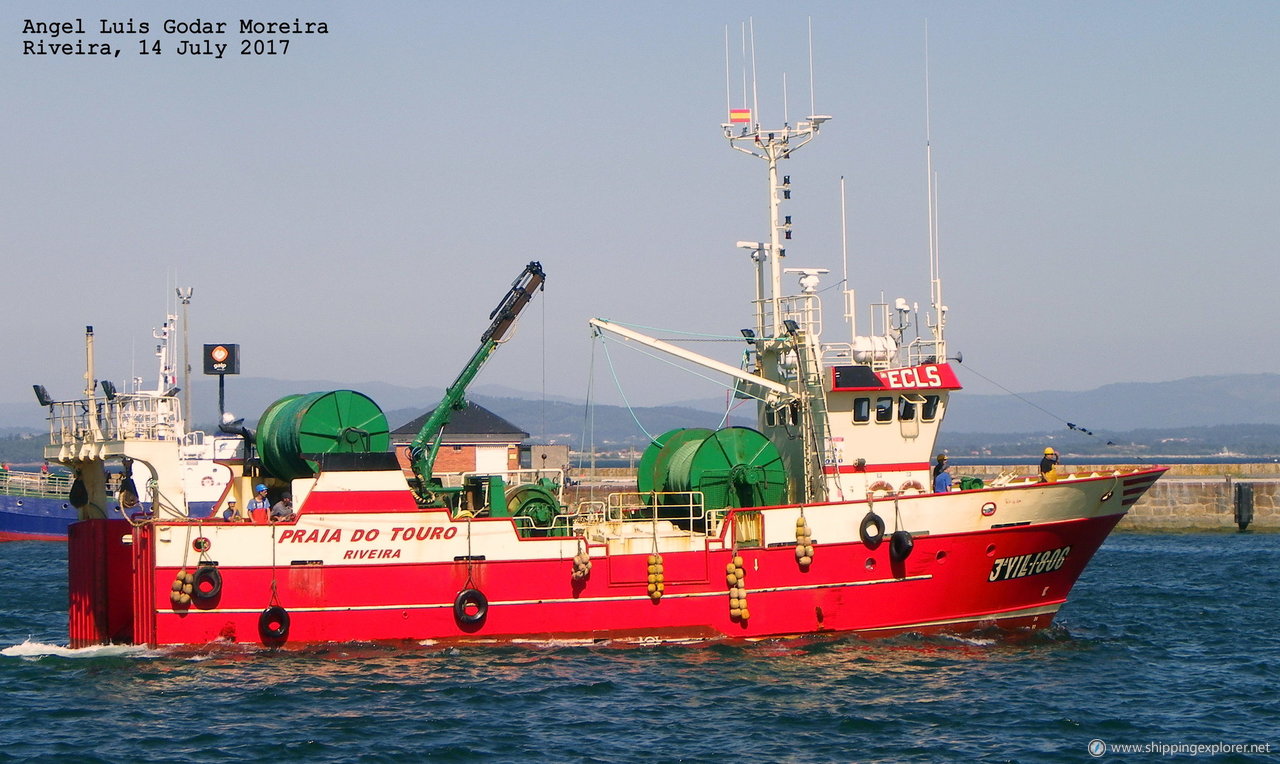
(870, 523)
(273, 624)
(900, 546)
(880, 486)
(470, 607)
(912, 485)
(207, 583)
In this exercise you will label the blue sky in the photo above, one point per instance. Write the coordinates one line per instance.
(353, 209)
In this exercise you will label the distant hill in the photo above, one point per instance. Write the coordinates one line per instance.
(1227, 441)
(608, 427)
(1195, 402)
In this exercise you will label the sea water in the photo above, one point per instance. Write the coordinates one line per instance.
(1169, 645)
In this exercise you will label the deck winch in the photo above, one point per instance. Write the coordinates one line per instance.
(732, 467)
(298, 426)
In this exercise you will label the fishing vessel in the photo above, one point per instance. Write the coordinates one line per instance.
(40, 505)
(821, 518)
(34, 505)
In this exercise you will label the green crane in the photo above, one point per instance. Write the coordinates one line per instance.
(425, 447)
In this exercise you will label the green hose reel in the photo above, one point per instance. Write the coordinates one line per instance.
(296, 426)
(733, 467)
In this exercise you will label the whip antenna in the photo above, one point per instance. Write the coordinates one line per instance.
(786, 112)
(935, 275)
(850, 306)
(813, 109)
(755, 95)
(744, 65)
(728, 99)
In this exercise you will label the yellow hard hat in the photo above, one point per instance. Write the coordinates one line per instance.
(1048, 451)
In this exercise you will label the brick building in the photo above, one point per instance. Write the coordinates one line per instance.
(475, 440)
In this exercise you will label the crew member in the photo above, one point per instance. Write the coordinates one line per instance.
(230, 513)
(937, 467)
(1049, 466)
(942, 478)
(283, 510)
(259, 505)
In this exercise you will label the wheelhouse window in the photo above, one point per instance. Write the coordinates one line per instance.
(906, 408)
(862, 410)
(929, 411)
(884, 409)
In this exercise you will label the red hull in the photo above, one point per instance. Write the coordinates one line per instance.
(942, 586)
(7, 536)
(1012, 575)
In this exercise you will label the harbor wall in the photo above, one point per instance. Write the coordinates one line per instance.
(1188, 497)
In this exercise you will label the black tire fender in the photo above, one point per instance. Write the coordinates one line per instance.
(470, 607)
(207, 583)
(900, 546)
(273, 624)
(872, 530)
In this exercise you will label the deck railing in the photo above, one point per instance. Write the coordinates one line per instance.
(34, 484)
(124, 417)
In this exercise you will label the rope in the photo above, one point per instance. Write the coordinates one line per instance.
(588, 419)
(186, 548)
(727, 412)
(275, 590)
(542, 314)
(669, 362)
(470, 562)
(731, 407)
(655, 528)
(1070, 425)
(627, 403)
(618, 383)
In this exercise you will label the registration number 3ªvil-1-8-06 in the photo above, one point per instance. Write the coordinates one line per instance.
(1005, 568)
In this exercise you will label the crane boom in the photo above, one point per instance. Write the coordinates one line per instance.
(776, 390)
(425, 447)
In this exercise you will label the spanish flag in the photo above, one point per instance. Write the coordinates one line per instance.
(739, 115)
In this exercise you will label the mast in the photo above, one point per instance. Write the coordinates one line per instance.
(743, 130)
(776, 338)
(772, 146)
